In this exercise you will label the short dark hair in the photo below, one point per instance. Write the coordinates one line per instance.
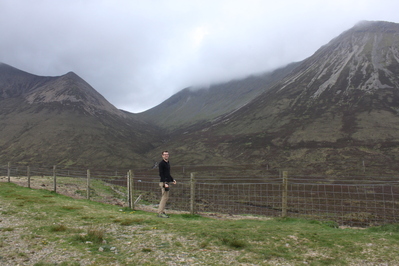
(164, 152)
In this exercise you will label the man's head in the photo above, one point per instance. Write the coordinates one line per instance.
(165, 155)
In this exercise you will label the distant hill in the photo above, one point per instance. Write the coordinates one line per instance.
(63, 120)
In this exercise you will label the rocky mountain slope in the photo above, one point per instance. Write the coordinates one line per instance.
(336, 112)
(67, 89)
(63, 120)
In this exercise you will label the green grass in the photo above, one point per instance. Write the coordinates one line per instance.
(82, 232)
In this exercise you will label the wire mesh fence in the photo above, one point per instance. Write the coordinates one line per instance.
(356, 201)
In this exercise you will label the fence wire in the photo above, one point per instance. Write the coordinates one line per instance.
(364, 201)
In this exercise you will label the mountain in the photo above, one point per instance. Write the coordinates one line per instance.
(337, 112)
(334, 113)
(64, 121)
(198, 105)
(67, 89)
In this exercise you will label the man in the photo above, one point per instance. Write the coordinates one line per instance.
(166, 179)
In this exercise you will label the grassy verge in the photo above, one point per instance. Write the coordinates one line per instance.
(39, 227)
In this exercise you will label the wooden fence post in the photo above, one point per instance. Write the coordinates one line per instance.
(192, 193)
(9, 172)
(129, 185)
(131, 189)
(128, 188)
(55, 179)
(28, 174)
(285, 194)
(88, 184)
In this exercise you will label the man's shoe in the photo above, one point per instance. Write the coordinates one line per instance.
(163, 215)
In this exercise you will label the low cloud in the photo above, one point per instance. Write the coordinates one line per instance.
(139, 53)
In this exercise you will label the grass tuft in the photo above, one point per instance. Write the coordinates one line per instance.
(70, 208)
(234, 242)
(94, 235)
(191, 216)
(7, 229)
(58, 228)
(393, 228)
(130, 221)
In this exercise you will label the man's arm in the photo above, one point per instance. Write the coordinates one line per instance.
(162, 171)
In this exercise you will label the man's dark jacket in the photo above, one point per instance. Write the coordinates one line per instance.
(164, 171)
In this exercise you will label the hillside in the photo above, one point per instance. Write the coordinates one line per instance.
(64, 121)
(200, 105)
(335, 113)
(39, 227)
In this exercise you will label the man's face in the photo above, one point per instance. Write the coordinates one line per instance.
(165, 156)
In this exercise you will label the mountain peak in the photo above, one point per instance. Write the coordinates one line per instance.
(380, 26)
(72, 74)
(363, 58)
(72, 89)
(66, 89)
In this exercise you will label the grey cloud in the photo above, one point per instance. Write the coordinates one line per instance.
(139, 53)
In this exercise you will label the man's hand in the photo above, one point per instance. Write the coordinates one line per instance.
(174, 182)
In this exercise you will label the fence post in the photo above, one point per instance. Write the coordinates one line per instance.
(88, 184)
(285, 194)
(55, 179)
(131, 178)
(28, 174)
(128, 189)
(192, 193)
(9, 172)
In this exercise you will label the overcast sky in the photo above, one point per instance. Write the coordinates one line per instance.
(139, 53)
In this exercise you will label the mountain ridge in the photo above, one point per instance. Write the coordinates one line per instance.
(65, 89)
